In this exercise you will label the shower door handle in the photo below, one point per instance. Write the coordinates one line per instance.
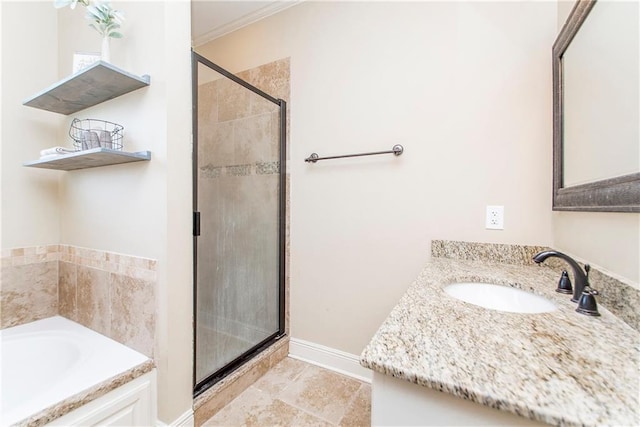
(196, 224)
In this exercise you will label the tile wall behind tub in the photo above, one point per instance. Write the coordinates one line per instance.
(28, 284)
(110, 293)
(113, 294)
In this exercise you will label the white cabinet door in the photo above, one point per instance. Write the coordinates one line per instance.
(396, 402)
(132, 404)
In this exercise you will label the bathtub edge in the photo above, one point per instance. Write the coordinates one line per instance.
(79, 399)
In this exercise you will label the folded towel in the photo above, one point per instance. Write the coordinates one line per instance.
(55, 151)
(89, 139)
(105, 139)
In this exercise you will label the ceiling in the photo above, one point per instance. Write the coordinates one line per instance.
(213, 18)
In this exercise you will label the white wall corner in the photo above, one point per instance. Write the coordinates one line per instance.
(329, 358)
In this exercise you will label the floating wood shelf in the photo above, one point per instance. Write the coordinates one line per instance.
(95, 84)
(92, 158)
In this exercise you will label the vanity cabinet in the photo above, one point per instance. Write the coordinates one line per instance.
(438, 360)
(398, 402)
(91, 86)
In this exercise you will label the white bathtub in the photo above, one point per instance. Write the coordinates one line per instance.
(48, 361)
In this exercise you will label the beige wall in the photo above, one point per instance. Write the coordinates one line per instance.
(144, 209)
(608, 240)
(564, 9)
(141, 209)
(30, 211)
(465, 87)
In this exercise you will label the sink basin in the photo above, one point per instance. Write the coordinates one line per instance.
(498, 297)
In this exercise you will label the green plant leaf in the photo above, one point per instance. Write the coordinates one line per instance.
(93, 13)
(59, 4)
(118, 16)
(101, 16)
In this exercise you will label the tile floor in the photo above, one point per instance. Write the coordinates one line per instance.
(295, 393)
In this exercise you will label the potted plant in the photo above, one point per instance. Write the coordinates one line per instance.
(102, 18)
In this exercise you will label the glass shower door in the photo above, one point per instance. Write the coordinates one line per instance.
(239, 211)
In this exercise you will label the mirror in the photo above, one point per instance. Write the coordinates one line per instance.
(596, 135)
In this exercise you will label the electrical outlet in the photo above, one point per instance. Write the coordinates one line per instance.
(495, 218)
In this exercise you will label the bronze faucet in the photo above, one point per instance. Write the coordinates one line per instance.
(579, 276)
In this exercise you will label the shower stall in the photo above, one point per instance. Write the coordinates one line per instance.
(239, 221)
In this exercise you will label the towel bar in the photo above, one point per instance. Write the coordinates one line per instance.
(396, 150)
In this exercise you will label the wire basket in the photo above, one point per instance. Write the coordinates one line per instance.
(94, 133)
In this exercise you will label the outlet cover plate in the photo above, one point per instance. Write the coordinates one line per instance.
(495, 218)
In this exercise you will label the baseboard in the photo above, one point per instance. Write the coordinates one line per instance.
(329, 358)
(184, 420)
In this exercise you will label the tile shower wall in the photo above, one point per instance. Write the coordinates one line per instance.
(231, 116)
(111, 293)
(274, 78)
(238, 167)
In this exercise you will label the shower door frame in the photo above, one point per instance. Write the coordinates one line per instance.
(200, 387)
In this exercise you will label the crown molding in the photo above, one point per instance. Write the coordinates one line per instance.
(250, 18)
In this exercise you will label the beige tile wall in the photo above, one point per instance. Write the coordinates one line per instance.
(28, 284)
(238, 187)
(111, 293)
(274, 78)
(238, 167)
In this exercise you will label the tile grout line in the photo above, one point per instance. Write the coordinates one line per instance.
(311, 367)
(278, 395)
(351, 402)
(289, 383)
(306, 411)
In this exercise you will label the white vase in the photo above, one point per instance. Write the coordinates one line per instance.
(105, 53)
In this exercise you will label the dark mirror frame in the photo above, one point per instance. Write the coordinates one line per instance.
(619, 194)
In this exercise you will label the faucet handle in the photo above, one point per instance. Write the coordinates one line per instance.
(587, 304)
(564, 284)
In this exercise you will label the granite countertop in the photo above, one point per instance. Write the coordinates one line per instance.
(560, 367)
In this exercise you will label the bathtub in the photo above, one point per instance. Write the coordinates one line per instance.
(55, 362)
